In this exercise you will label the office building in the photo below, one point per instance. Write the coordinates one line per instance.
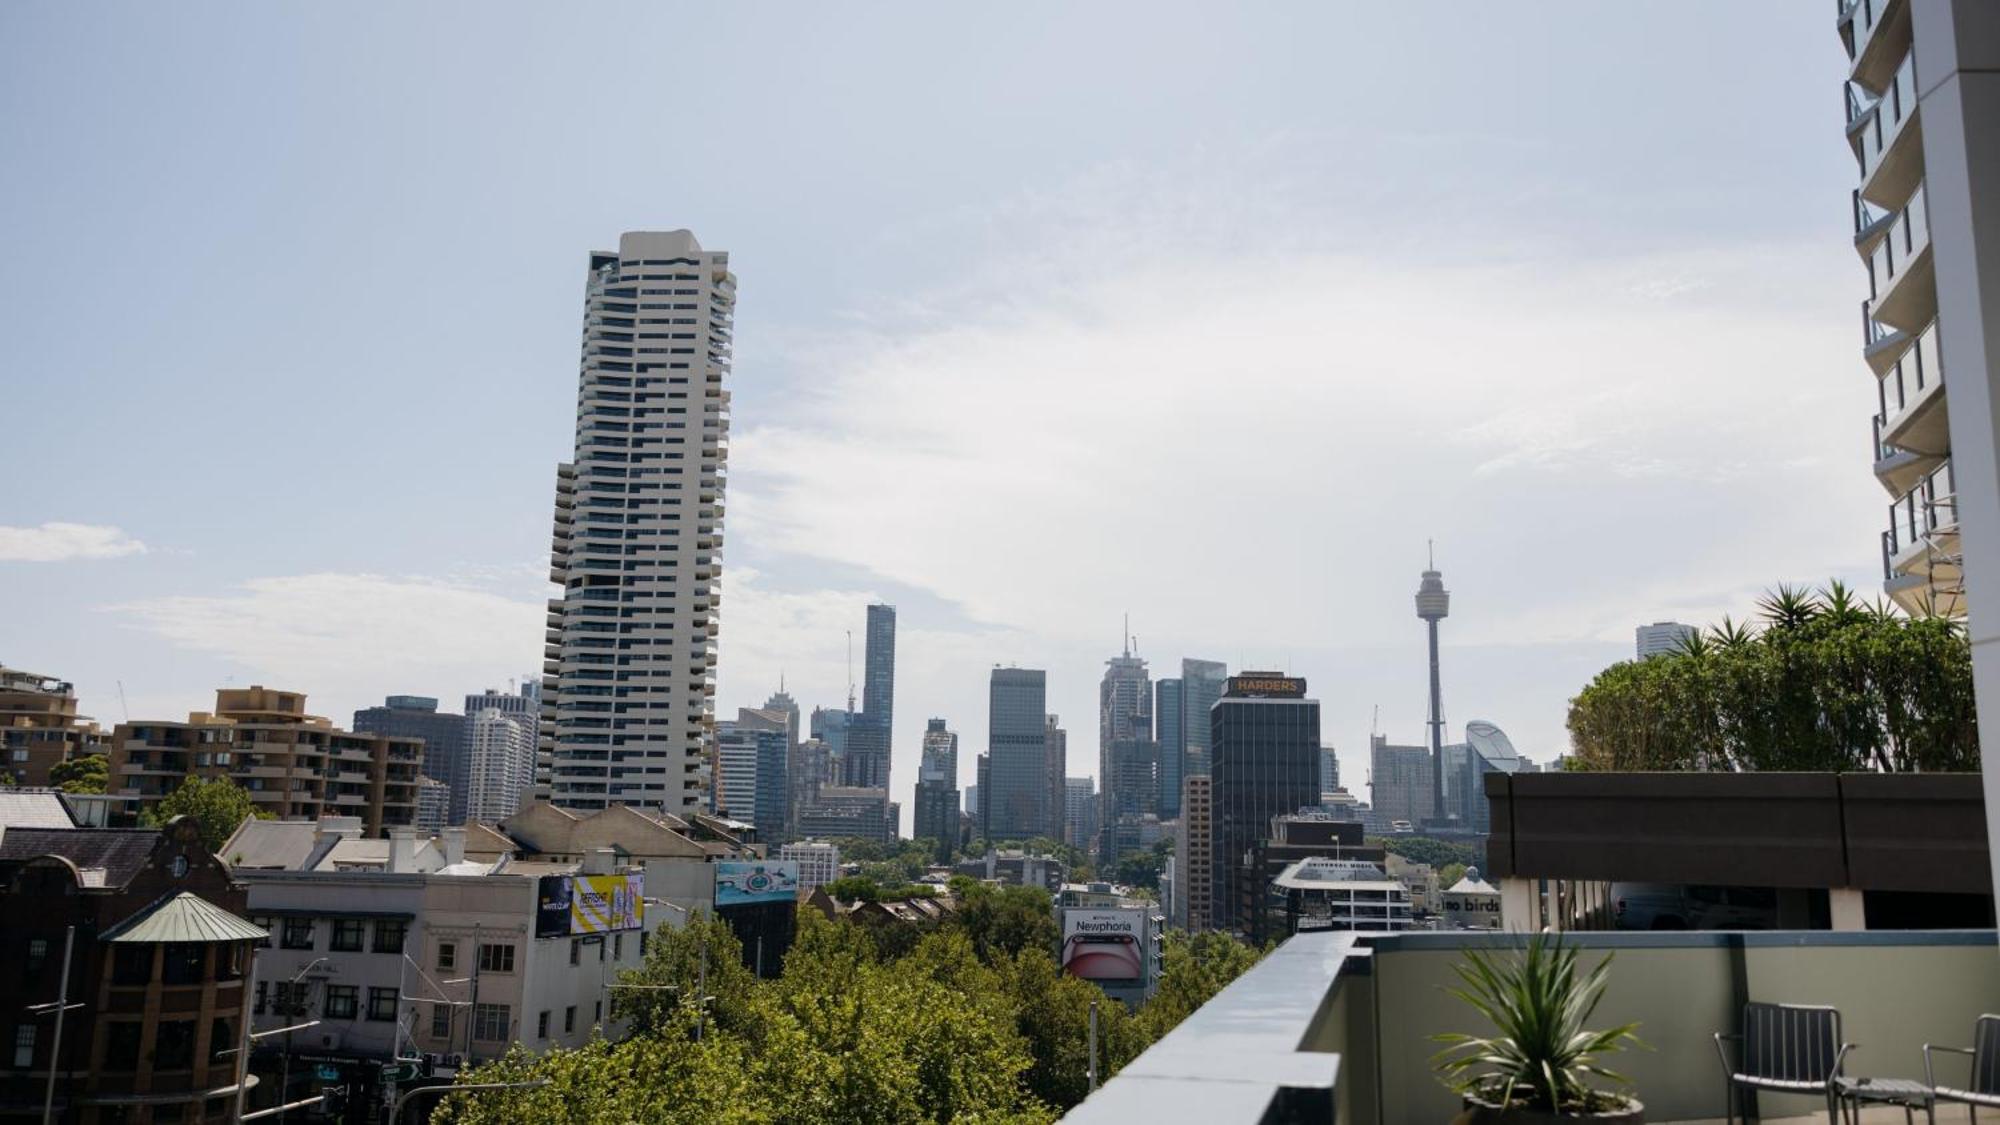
(841, 811)
(39, 726)
(940, 753)
(500, 764)
(868, 749)
(444, 735)
(1169, 732)
(1201, 685)
(1014, 799)
(1056, 764)
(1661, 637)
(1194, 855)
(1127, 756)
(638, 529)
(291, 763)
(525, 702)
(782, 703)
(1307, 834)
(751, 776)
(434, 803)
(1329, 771)
(1486, 749)
(1264, 761)
(936, 815)
(1347, 895)
(829, 725)
(1080, 812)
(818, 860)
(1399, 784)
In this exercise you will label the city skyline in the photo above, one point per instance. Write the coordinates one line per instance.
(874, 458)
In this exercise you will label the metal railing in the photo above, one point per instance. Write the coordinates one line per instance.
(1908, 236)
(1899, 387)
(1873, 122)
(1919, 516)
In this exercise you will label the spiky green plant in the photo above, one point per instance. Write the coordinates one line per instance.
(1541, 1056)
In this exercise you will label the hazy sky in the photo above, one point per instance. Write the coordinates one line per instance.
(1048, 313)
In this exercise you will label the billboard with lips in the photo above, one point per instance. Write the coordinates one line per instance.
(1104, 944)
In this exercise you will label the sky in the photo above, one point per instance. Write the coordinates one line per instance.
(1048, 314)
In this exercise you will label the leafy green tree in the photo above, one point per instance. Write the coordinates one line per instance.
(1425, 850)
(7, 780)
(1193, 968)
(1002, 921)
(1821, 681)
(861, 888)
(89, 773)
(218, 805)
(1450, 874)
(703, 957)
(1052, 1012)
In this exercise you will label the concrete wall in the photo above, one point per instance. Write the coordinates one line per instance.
(1896, 991)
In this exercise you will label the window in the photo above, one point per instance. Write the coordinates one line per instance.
(541, 1026)
(342, 1001)
(262, 990)
(288, 999)
(569, 1019)
(441, 1021)
(489, 1021)
(447, 955)
(24, 1043)
(347, 935)
(121, 1046)
(298, 934)
(575, 951)
(382, 1004)
(173, 1045)
(617, 947)
(222, 1035)
(184, 962)
(496, 958)
(597, 1012)
(38, 952)
(389, 935)
(132, 964)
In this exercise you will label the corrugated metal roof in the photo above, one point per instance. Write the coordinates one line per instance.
(184, 917)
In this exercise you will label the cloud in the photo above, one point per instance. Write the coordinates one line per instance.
(350, 638)
(65, 542)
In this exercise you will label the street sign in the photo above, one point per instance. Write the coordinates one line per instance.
(399, 1072)
(326, 1073)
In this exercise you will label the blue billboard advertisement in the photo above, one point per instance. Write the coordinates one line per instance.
(740, 882)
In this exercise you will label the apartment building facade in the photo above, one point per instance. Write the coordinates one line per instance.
(629, 662)
(39, 726)
(293, 764)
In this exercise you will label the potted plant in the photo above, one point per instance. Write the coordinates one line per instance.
(1537, 1065)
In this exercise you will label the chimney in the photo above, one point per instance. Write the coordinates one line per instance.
(599, 861)
(402, 849)
(454, 845)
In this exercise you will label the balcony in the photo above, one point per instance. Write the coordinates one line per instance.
(1920, 551)
(1876, 33)
(1911, 423)
(1887, 137)
(1902, 282)
(1336, 1027)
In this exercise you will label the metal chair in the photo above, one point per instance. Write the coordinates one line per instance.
(1982, 1087)
(1788, 1048)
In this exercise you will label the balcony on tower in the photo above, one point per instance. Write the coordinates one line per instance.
(1912, 430)
(1897, 247)
(1922, 560)
(1886, 134)
(1876, 34)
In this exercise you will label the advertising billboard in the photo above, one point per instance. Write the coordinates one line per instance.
(741, 882)
(573, 905)
(1104, 944)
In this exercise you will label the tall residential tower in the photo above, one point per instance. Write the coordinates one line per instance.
(630, 657)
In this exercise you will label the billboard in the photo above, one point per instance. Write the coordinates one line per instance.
(572, 905)
(740, 882)
(1104, 944)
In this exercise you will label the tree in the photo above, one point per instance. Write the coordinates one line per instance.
(218, 805)
(679, 965)
(1002, 921)
(1424, 850)
(1821, 681)
(89, 773)
(1193, 968)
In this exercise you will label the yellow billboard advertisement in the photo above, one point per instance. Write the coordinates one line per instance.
(600, 904)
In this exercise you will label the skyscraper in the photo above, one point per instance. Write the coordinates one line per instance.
(1013, 798)
(782, 703)
(1329, 770)
(1201, 686)
(500, 763)
(444, 735)
(1662, 637)
(1265, 738)
(1433, 605)
(937, 798)
(869, 734)
(754, 783)
(1128, 784)
(1399, 782)
(638, 529)
(1194, 856)
(1169, 732)
(1056, 763)
(940, 760)
(1080, 812)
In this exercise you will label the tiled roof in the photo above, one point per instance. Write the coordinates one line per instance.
(184, 917)
(120, 852)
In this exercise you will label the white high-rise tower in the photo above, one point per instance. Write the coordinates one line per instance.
(630, 657)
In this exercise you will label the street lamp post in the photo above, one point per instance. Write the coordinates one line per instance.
(61, 1005)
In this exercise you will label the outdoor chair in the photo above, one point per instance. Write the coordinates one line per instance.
(1786, 1048)
(1982, 1088)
